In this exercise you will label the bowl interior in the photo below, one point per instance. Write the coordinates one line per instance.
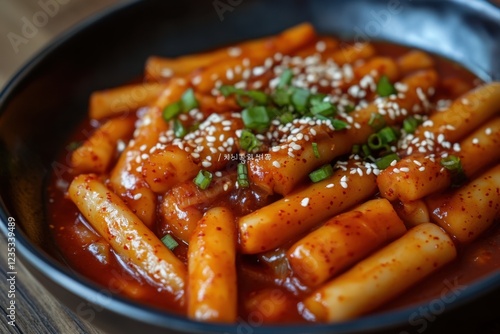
(44, 103)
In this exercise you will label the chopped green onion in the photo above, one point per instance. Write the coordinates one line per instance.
(375, 141)
(317, 99)
(169, 241)
(74, 145)
(348, 109)
(366, 150)
(242, 175)
(300, 99)
(385, 87)
(179, 129)
(451, 163)
(338, 124)
(248, 141)
(250, 98)
(321, 174)
(454, 165)
(287, 117)
(203, 179)
(227, 90)
(172, 110)
(356, 149)
(315, 150)
(387, 135)
(385, 161)
(323, 108)
(376, 121)
(281, 97)
(188, 100)
(285, 78)
(255, 118)
(410, 124)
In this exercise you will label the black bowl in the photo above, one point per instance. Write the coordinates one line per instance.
(47, 98)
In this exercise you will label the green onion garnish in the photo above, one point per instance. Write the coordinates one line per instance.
(376, 121)
(300, 99)
(74, 145)
(169, 241)
(250, 98)
(338, 124)
(286, 117)
(172, 110)
(375, 141)
(451, 163)
(245, 98)
(385, 87)
(356, 149)
(285, 78)
(387, 135)
(410, 124)
(321, 174)
(179, 130)
(281, 97)
(385, 161)
(255, 118)
(248, 141)
(315, 150)
(323, 108)
(454, 165)
(188, 100)
(366, 150)
(203, 179)
(348, 109)
(242, 175)
(317, 99)
(227, 90)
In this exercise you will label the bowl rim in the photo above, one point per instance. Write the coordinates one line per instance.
(85, 288)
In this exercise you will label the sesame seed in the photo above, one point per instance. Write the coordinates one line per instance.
(167, 72)
(396, 170)
(234, 51)
(487, 131)
(137, 196)
(404, 169)
(330, 185)
(475, 141)
(206, 164)
(421, 169)
(276, 164)
(343, 184)
(196, 80)
(305, 202)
